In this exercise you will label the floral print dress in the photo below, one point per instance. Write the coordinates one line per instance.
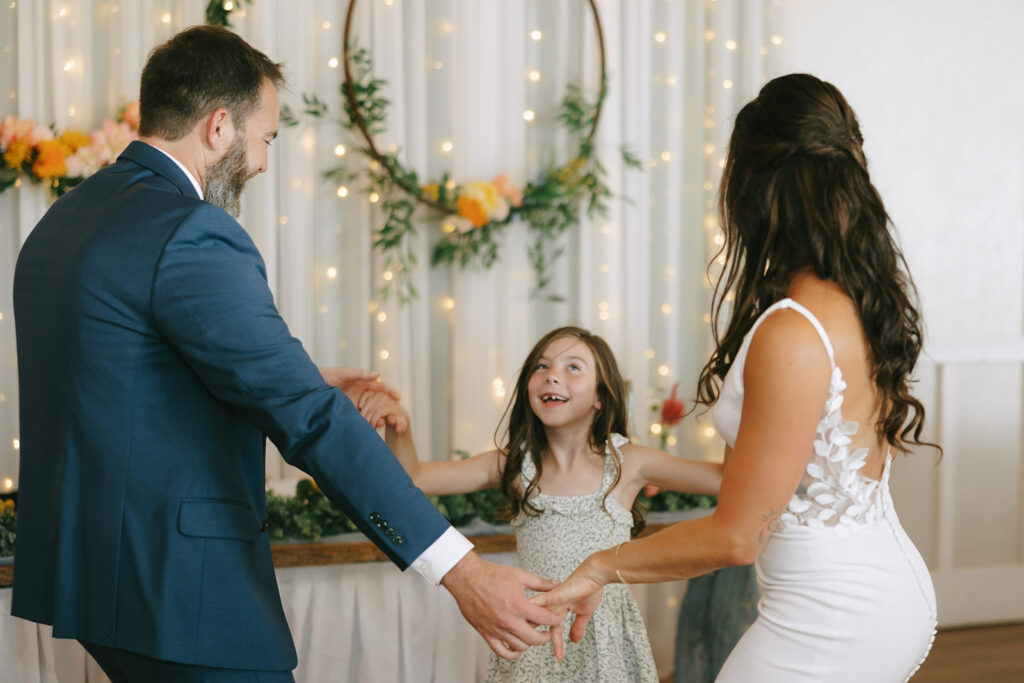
(615, 647)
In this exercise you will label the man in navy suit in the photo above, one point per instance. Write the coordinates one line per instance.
(153, 364)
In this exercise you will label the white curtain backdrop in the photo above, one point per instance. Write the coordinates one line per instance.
(456, 71)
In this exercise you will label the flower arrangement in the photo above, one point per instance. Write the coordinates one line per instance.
(61, 161)
(472, 214)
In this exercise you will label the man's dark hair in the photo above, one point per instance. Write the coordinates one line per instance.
(198, 70)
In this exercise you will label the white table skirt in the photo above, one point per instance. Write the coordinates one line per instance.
(352, 623)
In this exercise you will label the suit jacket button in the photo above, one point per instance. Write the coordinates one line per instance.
(263, 526)
(398, 540)
(374, 516)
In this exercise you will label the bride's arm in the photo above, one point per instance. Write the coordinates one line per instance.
(786, 380)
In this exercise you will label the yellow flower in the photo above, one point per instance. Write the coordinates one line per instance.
(17, 153)
(52, 160)
(431, 191)
(472, 210)
(75, 140)
(487, 195)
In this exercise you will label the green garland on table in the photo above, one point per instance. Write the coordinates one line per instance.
(8, 527)
(310, 515)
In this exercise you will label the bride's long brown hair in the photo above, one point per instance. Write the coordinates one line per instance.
(796, 195)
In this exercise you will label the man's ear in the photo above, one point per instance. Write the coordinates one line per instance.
(219, 130)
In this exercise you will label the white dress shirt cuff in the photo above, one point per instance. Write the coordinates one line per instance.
(442, 555)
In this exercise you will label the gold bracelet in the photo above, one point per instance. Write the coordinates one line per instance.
(617, 549)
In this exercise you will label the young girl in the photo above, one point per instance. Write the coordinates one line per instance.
(571, 478)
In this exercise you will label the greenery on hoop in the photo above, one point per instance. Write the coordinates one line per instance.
(470, 228)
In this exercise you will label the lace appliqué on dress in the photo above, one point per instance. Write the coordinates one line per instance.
(833, 492)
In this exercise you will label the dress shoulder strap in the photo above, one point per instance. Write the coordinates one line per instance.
(789, 303)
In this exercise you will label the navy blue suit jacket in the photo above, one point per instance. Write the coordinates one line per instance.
(152, 364)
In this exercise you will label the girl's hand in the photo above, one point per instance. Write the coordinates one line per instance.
(581, 594)
(380, 410)
(358, 385)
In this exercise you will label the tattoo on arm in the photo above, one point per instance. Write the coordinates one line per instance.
(771, 522)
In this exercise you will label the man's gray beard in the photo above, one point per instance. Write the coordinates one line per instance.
(225, 179)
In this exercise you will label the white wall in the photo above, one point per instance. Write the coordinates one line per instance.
(938, 89)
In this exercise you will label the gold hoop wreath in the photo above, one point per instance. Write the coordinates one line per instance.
(472, 214)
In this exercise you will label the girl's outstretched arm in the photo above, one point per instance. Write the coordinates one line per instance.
(667, 471)
(433, 478)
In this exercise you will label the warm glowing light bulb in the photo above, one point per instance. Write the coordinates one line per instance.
(663, 370)
(709, 432)
(776, 40)
(655, 428)
(528, 115)
(666, 156)
(384, 354)
(388, 275)
(382, 316)
(727, 84)
(374, 197)
(660, 37)
(709, 35)
(534, 75)
(448, 303)
(730, 45)
(447, 146)
(666, 309)
(650, 354)
(16, 443)
(166, 18)
(536, 35)
(332, 272)
(339, 150)
(333, 62)
(342, 191)
(326, 25)
(228, 5)
(8, 484)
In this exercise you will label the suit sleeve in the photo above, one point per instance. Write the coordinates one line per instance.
(212, 303)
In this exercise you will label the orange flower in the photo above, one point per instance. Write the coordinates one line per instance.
(74, 140)
(131, 114)
(472, 210)
(52, 160)
(17, 153)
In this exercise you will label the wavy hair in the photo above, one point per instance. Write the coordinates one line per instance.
(795, 195)
(525, 435)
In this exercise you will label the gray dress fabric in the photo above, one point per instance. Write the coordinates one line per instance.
(615, 647)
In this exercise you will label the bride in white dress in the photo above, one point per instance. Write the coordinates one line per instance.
(810, 387)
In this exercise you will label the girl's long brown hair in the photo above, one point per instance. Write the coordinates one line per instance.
(795, 194)
(525, 432)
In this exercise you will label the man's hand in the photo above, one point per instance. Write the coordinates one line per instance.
(491, 598)
(357, 384)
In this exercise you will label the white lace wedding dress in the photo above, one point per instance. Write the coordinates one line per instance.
(845, 596)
